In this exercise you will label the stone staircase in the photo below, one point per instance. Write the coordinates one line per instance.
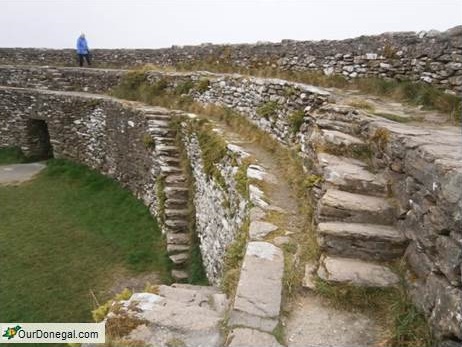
(355, 218)
(175, 219)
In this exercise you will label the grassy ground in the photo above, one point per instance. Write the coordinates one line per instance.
(66, 233)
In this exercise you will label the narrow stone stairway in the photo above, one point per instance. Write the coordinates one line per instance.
(355, 219)
(175, 218)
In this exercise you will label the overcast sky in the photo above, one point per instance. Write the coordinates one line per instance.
(157, 23)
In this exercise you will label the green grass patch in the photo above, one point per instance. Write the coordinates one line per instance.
(12, 155)
(66, 234)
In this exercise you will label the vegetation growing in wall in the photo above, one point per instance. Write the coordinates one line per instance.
(11, 155)
(202, 85)
(268, 109)
(242, 181)
(415, 93)
(296, 120)
(148, 141)
(161, 198)
(77, 230)
(184, 87)
(233, 261)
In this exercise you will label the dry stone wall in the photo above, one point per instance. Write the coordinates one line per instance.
(124, 141)
(97, 131)
(422, 166)
(221, 209)
(60, 78)
(432, 57)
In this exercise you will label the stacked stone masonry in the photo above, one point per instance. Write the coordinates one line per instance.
(220, 212)
(432, 57)
(420, 167)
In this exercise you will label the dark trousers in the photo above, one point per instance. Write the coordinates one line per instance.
(87, 58)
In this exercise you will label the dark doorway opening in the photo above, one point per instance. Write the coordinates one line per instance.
(40, 146)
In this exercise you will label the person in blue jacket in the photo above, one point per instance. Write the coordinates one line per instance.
(82, 50)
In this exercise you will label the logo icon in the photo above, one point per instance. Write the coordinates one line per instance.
(11, 332)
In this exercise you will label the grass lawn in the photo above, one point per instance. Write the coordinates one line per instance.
(66, 233)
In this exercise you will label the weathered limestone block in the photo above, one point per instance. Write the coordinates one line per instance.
(449, 258)
(356, 272)
(259, 290)
(446, 306)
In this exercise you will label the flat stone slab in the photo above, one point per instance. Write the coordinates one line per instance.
(257, 172)
(258, 296)
(356, 272)
(351, 175)
(349, 207)
(18, 173)
(258, 229)
(314, 323)
(359, 240)
(340, 139)
(169, 320)
(244, 337)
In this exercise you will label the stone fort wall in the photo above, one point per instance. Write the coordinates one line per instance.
(431, 57)
(423, 169)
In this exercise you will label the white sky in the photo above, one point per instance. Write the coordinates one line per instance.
(151, 24)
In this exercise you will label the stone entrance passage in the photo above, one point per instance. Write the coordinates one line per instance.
(39, 139)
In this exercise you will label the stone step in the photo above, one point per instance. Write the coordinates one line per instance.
(337, 125)
(175, 178)
(174, 249)
(168, 169)
(176, 203)
(177, 212)
(356, 272)
(337, 205)
(191, 295)
(169, 160)
(351, 175)
(176, 192)
(165, 140)
(176, 184)
(159, 124)
(167, 150)
(364, 241)
(176, 225)
(161, 131)
(157, 116)
(179, 258)
(178, 238)
(173, 323)
(338, 141)
(179, 275)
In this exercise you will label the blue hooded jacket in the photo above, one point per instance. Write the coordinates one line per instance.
(82, 46)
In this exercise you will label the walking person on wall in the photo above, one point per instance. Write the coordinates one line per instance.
(82, 50)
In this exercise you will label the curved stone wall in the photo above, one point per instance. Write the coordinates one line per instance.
(432, 57)
(423, 169)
